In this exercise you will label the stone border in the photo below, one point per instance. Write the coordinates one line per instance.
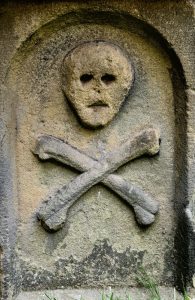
(93, 294)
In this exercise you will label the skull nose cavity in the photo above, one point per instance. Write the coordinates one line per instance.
(108, 78)
(85, 78)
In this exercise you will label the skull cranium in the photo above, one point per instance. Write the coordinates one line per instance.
(96, 78)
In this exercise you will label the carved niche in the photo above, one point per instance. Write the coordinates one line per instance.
(96, 78)
(93, 96)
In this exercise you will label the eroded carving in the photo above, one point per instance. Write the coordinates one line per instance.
(96, 78)
(53, 211)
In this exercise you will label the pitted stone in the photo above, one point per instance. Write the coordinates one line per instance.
(101, 244)
(96, 78)
(54, 209)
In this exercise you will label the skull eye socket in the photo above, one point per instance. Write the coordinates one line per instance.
(85, 78)
(108, 78)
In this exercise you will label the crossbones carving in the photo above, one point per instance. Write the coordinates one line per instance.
(53, 211)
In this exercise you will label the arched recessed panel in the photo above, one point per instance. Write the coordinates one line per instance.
(102, 238)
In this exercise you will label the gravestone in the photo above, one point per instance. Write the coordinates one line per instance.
(97, 146)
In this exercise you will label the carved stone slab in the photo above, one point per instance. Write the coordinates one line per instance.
(96, 144)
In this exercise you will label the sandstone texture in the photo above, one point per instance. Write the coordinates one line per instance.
(97, 110)
(97, 77)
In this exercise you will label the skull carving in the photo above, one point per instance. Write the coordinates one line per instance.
(96, 78)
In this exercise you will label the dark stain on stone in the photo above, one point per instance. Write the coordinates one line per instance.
(184, 270)
(103, 266)
(1, 270)
(169, 266)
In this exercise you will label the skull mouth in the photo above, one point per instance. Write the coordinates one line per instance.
(98, 104)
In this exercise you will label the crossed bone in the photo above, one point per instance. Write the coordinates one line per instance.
(53, 211)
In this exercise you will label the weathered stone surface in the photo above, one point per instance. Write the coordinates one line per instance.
(101, 244)
(53, 212)
(97, 77)
(135, 293)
